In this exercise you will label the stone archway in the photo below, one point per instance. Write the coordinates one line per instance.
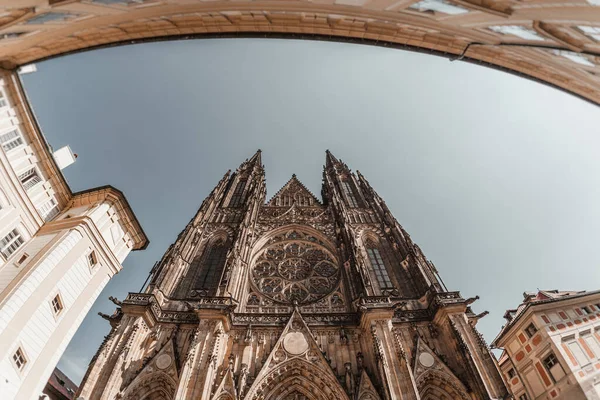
(437, 386)
(297, 378)
(539, 42)
(153, 386)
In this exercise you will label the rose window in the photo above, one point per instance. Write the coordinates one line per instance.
(299, 271)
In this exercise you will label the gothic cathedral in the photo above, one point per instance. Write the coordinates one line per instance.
(293, 299)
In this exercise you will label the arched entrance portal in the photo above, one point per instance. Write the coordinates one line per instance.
(298, 380)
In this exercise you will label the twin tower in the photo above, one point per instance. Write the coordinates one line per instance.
(294, 298)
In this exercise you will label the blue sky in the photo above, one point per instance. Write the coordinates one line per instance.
(494, 176)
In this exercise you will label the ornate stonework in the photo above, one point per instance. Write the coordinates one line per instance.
(302, 299)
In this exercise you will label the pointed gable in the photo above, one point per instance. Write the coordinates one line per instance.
(296, 365)
(294, 192)
(434, 378)
(366, 390)
(226, 389)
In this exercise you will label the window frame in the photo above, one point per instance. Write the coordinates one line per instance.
(17, 237)
(211, 265)
(34, 175)
(92, 259)
(57, 311)
(379, 268)
(530, 332)
(7, 145)
(550, 361)
(237, 196)
(23, 355)
(349, 194)
(585, 310)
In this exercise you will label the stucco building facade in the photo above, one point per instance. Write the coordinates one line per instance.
(552, 346)
(58, 249)
(293, 298)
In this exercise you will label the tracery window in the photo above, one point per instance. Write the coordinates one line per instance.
(293, 268)
(349, 193)
(376, 261)
(212, 268)
(237, 198)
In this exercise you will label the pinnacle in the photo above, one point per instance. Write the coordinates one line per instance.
(330, 159)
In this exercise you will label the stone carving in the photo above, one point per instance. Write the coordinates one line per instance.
(295, 269)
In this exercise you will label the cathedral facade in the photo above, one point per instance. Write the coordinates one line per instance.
(294, 298)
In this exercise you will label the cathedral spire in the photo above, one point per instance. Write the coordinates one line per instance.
(330, 159)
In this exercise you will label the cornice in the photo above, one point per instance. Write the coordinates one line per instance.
(117, 198)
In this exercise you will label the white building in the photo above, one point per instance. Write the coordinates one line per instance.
(58, 249)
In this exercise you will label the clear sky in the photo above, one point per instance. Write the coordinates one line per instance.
(495, 177)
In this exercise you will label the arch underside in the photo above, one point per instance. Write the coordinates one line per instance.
(297, 380)
(436, 386)
(384, 22)
(157, 386)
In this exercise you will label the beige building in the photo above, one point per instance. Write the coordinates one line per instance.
(58, 249)
(295, 298)
(552, 346)
(554, 42)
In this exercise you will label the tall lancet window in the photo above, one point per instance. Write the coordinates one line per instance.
(349, 193)
(381, 273)
(212, 268)
(237, 198)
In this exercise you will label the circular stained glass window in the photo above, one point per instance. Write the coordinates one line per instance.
(292, 270)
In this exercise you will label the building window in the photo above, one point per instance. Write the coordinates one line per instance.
(586, 310)
(210, 272)
(381, 273)
(48, 210)
(48, 17)
(92, 260)
(575, 57)
(591, 31)
(511, 373)
(442, 6)
(517, 30)
(3, 102)
(11, 140)
(10, 243)
(530, 330)
(523, 397)
(57, 304)
(19, 359)
(349, 193)
(237, 197)
(550, 361)
(30, 178)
